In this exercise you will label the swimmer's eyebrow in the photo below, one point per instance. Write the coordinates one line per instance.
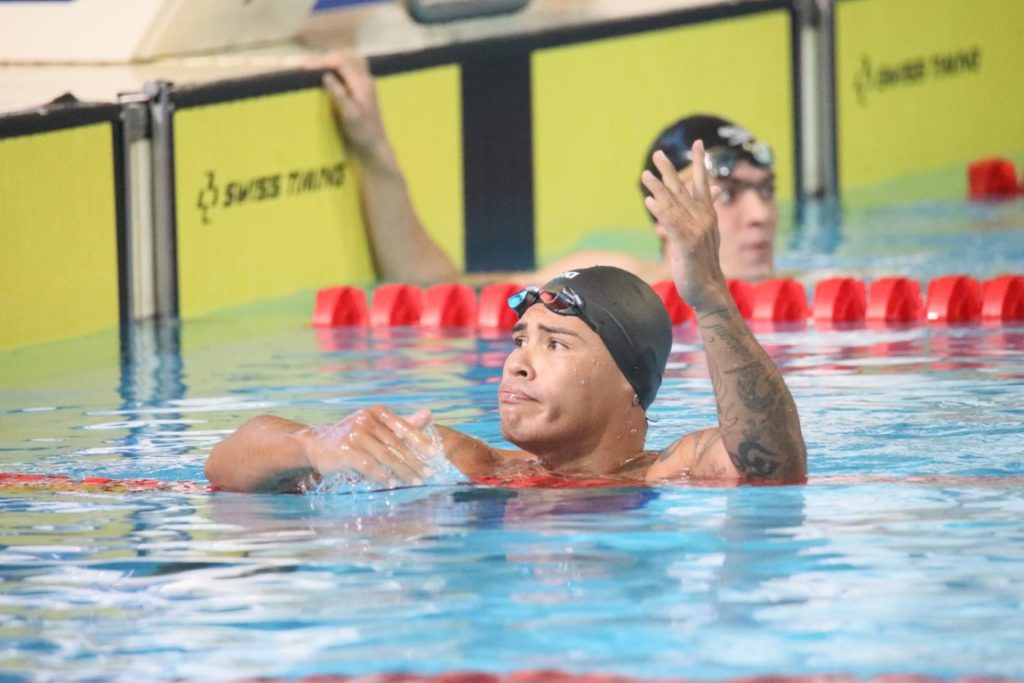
(521, 327)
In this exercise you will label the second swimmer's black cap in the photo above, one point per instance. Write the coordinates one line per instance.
(724, 141)
(630, 319)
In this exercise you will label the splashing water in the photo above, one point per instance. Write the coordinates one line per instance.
(442, 471)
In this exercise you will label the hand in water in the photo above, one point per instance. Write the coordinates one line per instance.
(375, 449)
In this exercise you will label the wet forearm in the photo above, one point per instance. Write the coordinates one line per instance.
(757, 417)
(264, 454)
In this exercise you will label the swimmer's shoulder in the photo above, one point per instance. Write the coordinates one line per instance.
(474, 457)
(697, 456)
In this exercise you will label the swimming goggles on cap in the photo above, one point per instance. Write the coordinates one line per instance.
(563, 301)
(721, 161)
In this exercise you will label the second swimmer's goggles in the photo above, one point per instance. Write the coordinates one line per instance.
(563, 301)
(721, 161)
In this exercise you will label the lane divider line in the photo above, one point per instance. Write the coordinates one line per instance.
(953, 299)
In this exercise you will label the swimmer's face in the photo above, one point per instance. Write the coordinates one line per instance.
(748, 217)
(560, 385)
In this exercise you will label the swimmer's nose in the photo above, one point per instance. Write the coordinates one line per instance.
(756, 209)
(518, 364)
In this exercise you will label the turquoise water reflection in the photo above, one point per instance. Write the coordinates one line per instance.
(904, 553)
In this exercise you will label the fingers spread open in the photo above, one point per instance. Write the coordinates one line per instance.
(669, 174)
(659, 193)
(654, 206)
(701, 184)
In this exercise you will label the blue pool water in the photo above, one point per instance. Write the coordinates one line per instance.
(903, 554)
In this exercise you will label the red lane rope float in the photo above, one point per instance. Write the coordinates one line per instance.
(340, 306)
(1002, 298)
(894, 300)
(953, 299)
(950, 299)
(780, 300)
(992, 178)
(449, 305)
(678, 310)
(839, 300)
(494, 312)
(53, 482)
(743, 294)
(396, 304)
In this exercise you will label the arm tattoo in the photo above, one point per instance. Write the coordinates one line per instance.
(701, 449)
(750, 463)
(731, 340)
(748, 378)
(756, 418)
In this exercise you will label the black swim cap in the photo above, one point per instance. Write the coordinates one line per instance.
(724, 141)
(628, 316)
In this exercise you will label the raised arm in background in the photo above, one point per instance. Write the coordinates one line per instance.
(403, 250)
(758, 435)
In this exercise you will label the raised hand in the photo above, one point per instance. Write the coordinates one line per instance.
(351, 86)
(403, 250)
(686, 220)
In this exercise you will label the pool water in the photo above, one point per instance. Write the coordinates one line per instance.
(923, 240)
(904, 553)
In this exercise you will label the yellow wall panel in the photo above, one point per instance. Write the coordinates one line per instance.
(597, 107)
(267, 202)
(422, 112)
(923, 84)
(58, 235)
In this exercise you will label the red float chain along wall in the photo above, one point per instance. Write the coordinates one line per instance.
(948, 299)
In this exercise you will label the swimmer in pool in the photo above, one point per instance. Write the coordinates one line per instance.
(742, 169)
(742, 172)
(589, 351)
